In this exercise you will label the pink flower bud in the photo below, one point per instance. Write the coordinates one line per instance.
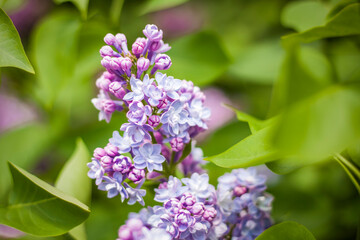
(109, 39)
(117, 89)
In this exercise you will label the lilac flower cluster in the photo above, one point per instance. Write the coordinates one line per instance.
(193, 209)
(163, 114)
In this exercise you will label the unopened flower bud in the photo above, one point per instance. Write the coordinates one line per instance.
(106, 62)
(111, 150)
(106, 163)
(126, 65)
(117, 89)
(210, 214)
(136, 175)
(106, 51)
(198, 209)
(122, 42)
(154, 120)
(122, 164)
(99, 153)
(103, 83)
(109, 106)
(142, 65)
(177, 144)
(134, 224)
(138, 46)
(239, 190)
(109, 39)
(162, 62)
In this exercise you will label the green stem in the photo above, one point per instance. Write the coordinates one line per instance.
(346, 165)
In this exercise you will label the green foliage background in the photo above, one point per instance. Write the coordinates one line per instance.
(292, 66)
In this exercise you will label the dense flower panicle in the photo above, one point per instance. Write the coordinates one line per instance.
(164, 114)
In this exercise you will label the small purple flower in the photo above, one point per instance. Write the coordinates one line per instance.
(122, 164)
(162, 62)
(173, 189)
(175, 117)
(135, 194)
(148, 156)
(142, 65)
(184, 220)
(173, 206)
(114, 186)
(177, 144)
(96, 171)
(170, 85)
(136, 175)
(198, 114)
(152, 32)
(137, 134)
(154, 121)
(99, 153)
(105, 105)
(123, 143)
(155, 95)
(199, 185)
(138, 113)
(155, 233)
(138, 46)
(198, 209)
(169, 226)
(137, 87)
(117, 89)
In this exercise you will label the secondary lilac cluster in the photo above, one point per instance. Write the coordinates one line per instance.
(163, 114)
(243, 204)
(192, 208)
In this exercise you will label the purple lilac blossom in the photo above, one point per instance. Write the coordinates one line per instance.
(148, 156)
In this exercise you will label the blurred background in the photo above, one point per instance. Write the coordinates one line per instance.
(231, 49)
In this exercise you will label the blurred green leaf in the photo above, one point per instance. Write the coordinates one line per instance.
(55, 50)
(302, 15)
(22, 146)
(345, 57)
(339, 5)
(115, 11)
(253, 150)
(304, 72)
(286, 231)
(73, 180)
(157, 5)
(38, 208)
(320, 125)
(259, 63)
(345, 23)
(199, 57)
(254, 123)
(82, 5)
(12, 53)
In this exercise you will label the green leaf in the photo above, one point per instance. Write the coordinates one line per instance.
(345, 23)
(12, 53)
(198, 57)
(320, 125)
(253, 150)
(254, 123)
(259, 63)
(32, 140)
(157, 5)
(39, 209)
(73, 180)
(302, 15)
(305, 71)
(115, 11)
(82, 5)
(55, 50)
(286, 231)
